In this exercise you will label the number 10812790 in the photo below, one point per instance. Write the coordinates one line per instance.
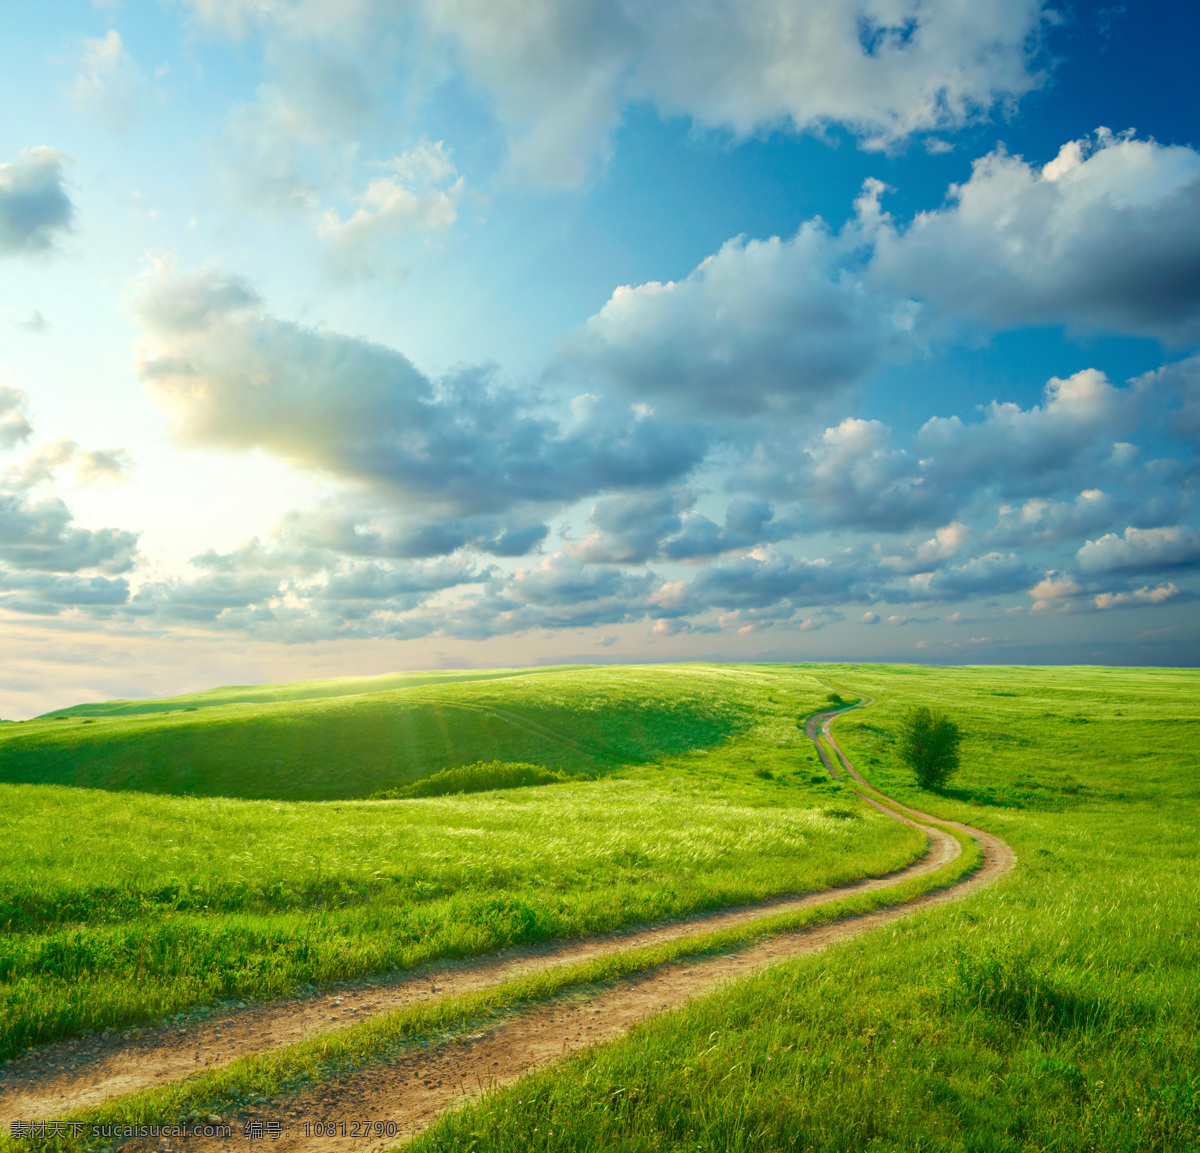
(350, 1129)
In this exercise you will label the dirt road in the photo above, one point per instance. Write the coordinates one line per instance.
(62, 1080)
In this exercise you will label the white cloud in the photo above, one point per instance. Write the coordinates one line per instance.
(360, 527)
(1080, 416)
(1055, 588)
(271, 593)
(44, 550)
(630, 527)
(48, 594)
(14, 426)
(759, 325)
(767, 577)
(992, 574)
(1141, 550)
(108, 80)
(1146, 595)
(36, 323)
(555, 73)
(236, 378)
(748, 522)
(559, 73)
(34, 206)
(420, 194)
(1107, 239)
(297, 137)
(887, 70)
(1046, 521)
(265, 154)
(852, 476)
(948, 541)
(49, 460)
(40, 535)
(1174, 389)
(1105, 236)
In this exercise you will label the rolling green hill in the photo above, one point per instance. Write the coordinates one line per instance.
(295, 691)
(1057, 1010)
(128, 901)
(329, 740)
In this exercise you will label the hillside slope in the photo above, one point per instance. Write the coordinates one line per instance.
(287, 744)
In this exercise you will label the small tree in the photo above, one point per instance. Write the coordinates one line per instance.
(929, 743)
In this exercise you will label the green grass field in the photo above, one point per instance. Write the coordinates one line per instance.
(284, 743)
(126, 905)
(1056, 1010)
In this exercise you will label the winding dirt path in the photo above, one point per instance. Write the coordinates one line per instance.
(63, 1079)
(998, 855)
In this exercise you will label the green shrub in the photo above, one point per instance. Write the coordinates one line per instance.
(477, 778)
(929, 743)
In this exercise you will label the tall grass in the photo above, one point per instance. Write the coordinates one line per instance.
(281, 1072)
(126, 906)
(1056, 1010)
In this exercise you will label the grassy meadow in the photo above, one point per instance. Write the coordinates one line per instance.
(282, 743)
(1056, 1010)
(126, 898)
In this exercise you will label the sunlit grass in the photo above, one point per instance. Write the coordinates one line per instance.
(351, 745)
(259, 1077)
(1057, 1010)
(128, 906)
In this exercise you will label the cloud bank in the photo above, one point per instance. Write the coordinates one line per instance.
(1106, 237)
(559, 75)
(465, 446)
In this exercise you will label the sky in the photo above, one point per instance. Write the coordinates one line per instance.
(340, 337)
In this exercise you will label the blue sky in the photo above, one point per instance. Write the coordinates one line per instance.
(347, 337)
